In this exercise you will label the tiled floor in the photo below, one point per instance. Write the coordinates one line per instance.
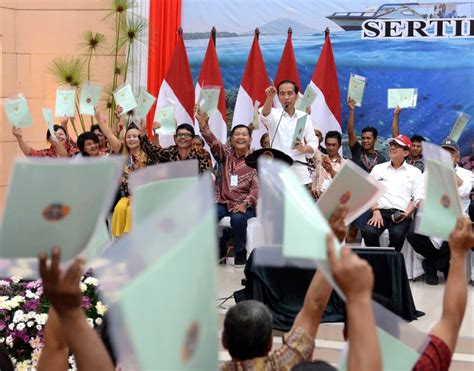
(427, 298)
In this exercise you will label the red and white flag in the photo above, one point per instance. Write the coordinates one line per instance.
(177, 89)
(252, 89)
(287, 69)
(326, 108)
(210, 75)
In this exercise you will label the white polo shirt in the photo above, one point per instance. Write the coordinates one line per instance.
(284, 137)
(402, 185)
(466, 186)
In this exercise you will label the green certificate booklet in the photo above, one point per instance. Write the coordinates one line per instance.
(459, 125)
(356, 89)
(17, 111)
(145, 101)
(307, 100)
(165, 116)
(89, 97)
(299, 130)
(48, 117)
(124, 98)
(209, 99)
(65, 101)
(403, 98)
(56, 202)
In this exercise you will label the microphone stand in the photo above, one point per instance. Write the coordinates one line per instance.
(278, 125)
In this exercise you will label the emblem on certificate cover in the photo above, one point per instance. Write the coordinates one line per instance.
(345, 197)
(55, 212)
(191, 342)
(445, 201)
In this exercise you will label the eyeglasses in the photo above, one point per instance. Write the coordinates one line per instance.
(395, 145)
(184, 135)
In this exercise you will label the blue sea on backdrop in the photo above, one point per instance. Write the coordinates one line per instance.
(441, 69)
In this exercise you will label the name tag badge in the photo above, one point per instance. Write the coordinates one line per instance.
(234, 180)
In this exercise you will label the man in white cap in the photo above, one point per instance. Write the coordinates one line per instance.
(404, 190)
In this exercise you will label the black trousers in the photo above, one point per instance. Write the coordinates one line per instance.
(438, 259)
(396, 231)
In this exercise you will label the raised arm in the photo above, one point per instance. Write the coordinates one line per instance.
(270, 92)
(55, 352)
(63, 292)
(355, 278)
(59, 148)
(114, 142)
(217, 148)
(319, 290)
(18, 134)
(455, 292)
(350, 123)
(395, 122)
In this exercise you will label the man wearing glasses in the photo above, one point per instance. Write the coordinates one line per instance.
(404, 190)
(182, 150)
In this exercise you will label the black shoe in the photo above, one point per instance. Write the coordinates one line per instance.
(431, 277)
(241, 258)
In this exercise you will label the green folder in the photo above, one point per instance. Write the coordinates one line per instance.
(169, 309)
(307, 100)
(100, 239)
(65, 101)
(47, 189)
(17, 111)
(395, 354)
(89, 97)
(209, 99)
(459, 125)
(353, 187)
(356, 89)
(145, 102)
(441, 204)
(403, 98)
(48, 117)
(165, 116)
(304, 227)
(299, 130)
(150, 197)
(124, 98)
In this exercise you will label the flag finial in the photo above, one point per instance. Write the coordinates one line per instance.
(213, 34)
(290, 30)
(180, 30)
(326, 32)
(257, 32)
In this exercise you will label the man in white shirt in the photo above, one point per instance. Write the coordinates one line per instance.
(437, 252)
(281, 125)
(404, 190)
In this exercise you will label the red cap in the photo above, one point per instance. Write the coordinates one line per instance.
(402, 140)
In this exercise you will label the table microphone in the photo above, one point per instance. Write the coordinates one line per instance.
(279, 121)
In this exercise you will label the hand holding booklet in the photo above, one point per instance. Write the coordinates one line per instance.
(403, 98)
(165, 116)
(355, 188)
(145, 101)
(209, 99)
(299, 130)
(48, 117)
(307, 100)
(123, 97)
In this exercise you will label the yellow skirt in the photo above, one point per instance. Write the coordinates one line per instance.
(122, 218)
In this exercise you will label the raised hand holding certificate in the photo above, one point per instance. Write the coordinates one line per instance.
(89, 97)
(459, 125)
(17, 111)
(124, 98)
(145, 101)
(299, 130)
(65, 101)
(403, 98)
(307, 100)
(356, 89)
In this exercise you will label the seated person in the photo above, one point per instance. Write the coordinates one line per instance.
(237, 187)
(265, 141)
(184, 148)
(89, 145)
(435, 251)
(364, 154)
(444, 335)
(416, 155)
(198, 143)
(403, 183)
(281, 125)
(103, 143)
(60, 148)
(326, 167)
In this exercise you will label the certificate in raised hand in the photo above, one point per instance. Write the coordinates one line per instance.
(403, 98)
(17, 111)
(356, 89)
(124, 98)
